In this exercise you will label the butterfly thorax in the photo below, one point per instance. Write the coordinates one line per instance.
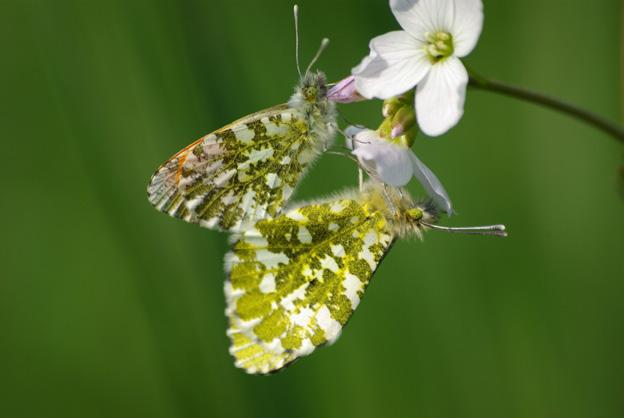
(310, 99)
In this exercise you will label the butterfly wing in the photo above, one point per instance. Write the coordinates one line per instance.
(294, 281)
(235, 175)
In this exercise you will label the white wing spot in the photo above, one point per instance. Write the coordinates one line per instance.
(367, 256)
(337, 206)
(228, 199)
(275, 346)
(330, 264)
(370, 238)
(295, 215)
(209, 223)
(248, 200)
(286, 191)
(302, 318)
(352, 285)
(328, 324)
(272, 129)
(193, 203)
(245, 135)
(338, 250)
(243, 176)
(267, 285)
(224, 177)
(306, 348)
(307, 272)
(272, 180)
(209, 140)
(255, 156)
(270, 259)
(304, 235)
(288, 301)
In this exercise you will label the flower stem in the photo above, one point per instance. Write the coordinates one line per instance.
(605, 125)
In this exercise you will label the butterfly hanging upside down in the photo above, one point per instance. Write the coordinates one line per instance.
(294, 280)
(248, 169)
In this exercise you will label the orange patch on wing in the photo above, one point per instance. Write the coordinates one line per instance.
(181, 161)
(181, 156)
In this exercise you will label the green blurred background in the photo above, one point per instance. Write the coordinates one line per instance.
(111, 309)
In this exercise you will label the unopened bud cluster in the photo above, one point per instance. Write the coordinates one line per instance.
(399, 125)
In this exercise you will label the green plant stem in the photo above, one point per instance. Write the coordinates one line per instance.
(605, 125)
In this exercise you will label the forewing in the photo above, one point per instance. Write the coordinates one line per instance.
(294, 281)
(238, 174)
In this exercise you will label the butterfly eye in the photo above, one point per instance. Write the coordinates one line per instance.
(310, 94)
(414, 214)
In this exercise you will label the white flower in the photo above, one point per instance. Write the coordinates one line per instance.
(436, 33)
(395, 164)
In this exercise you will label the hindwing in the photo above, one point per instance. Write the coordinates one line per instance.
(294, 280)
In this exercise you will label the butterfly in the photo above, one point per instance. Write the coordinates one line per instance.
(247, 170)
(295, 280)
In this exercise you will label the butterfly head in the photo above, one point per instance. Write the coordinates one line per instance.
(405, 216)
(313, 87)
(310, 99)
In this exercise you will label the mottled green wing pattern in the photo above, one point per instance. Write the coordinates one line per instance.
(295, 280)
(238, 174)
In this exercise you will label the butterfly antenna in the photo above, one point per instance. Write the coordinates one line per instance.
(296, 14)
(322, 48)
(492, 230)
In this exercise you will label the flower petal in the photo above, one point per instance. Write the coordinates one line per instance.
(432, 185)
(390, 163)
(350, 134)
(365, 63)
(440, 97)
(467, 25)
(419, 17)
(352, 130)
(396, 64)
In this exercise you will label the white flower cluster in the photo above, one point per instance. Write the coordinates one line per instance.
(423, 58)
(424, 55)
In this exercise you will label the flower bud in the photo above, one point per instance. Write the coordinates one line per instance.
(399, 125)
(390, 107)
(409, 137)
(344, 92)
(402, 121)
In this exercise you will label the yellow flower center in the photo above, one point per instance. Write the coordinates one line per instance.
(438, 46)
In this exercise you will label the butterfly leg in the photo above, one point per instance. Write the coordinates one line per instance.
(331, 128)
(360, 179)
(389, 200)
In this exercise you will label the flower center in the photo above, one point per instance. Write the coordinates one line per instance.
(438, 46)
